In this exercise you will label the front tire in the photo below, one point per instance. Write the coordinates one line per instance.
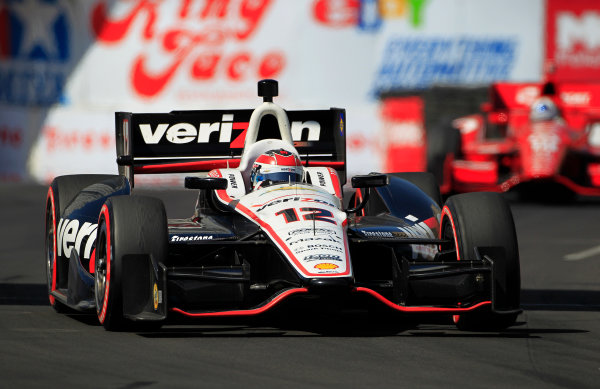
(482, 219)
(127, 226)
(61, 192)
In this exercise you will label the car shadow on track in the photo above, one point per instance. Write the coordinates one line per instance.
(309, 323)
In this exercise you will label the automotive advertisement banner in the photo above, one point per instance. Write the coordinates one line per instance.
(81, 61)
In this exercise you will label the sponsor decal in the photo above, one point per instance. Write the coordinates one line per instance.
(73, 236)
(378, 234)
(313, 128)
(322, 257)
(367, 15)
(326, 266)
(576, 98)
(207, 40)
(419, 230)
(190, 238)
(420, 62)
(312, 231)
(321, 178)
(314, 238)
(155, 296)
(572, 45)
(232, 182)
(577, 38)
(182, 133)
(296, 198)
(544, 142)
(527, 95)
(35, 49)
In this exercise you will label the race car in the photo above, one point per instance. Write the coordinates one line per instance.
(272, 223)
(539, 138)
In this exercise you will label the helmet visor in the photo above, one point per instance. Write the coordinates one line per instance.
(276, 178)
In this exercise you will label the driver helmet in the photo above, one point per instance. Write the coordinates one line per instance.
(543, 109)
(276, 167)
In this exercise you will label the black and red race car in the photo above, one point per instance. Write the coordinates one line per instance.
(502, 148)
(247, 247)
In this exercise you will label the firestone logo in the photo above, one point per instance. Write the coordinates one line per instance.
(202, 38)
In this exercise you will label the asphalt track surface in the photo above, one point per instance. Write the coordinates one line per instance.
(556, 343)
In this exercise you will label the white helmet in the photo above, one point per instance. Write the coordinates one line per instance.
(274, 167)
(543, 109)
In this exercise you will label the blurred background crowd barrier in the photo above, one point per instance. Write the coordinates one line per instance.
(397, 66)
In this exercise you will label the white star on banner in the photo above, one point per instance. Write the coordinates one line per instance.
(38, 18)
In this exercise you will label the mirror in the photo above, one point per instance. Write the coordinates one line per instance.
(205, 183)
(370, 181)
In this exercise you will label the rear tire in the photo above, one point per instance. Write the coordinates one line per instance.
(128, 225)
(485, 220)
(61, 192)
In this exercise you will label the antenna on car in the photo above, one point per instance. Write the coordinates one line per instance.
(267, 89)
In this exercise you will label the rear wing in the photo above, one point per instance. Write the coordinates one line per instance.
(199, 141)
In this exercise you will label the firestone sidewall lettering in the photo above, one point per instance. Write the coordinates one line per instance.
(71, 234)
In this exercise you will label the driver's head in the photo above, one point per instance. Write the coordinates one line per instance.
(543, 109)
(274, 167)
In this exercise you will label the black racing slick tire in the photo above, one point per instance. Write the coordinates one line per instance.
(128, 226)
(425, 181)
(61, 192)
(485, 220)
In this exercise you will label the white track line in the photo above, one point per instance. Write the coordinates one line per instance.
(582, 254)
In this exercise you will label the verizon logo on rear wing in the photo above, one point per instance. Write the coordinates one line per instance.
(182, 141)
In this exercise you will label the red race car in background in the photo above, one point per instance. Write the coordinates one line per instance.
(529, 136)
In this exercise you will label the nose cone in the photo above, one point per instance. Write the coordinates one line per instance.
(542, 152)
(330, 286)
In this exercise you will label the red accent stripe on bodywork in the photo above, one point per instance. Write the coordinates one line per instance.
(92, 266)
(245, 312)
(420, 309)
(195, 166)
(50, 197)
(102, 313)
(446, 212)
(336, 182)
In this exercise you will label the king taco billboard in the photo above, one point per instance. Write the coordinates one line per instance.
(167, 42)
